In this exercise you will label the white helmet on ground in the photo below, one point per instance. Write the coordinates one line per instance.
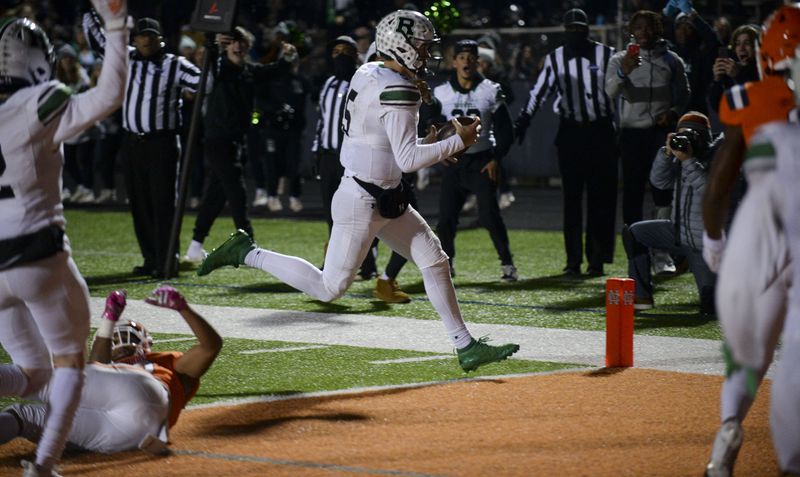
(26, 55)
(401, 34)
(130, 343)
(794, 75)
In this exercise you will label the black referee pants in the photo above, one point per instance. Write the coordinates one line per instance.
(225, 183)
(457, 181)
(587, 160)
(150, 163)
(330, 174)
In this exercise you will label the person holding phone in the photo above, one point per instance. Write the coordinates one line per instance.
(735, 64)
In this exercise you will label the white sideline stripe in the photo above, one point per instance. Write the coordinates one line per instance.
(280, 350)
(373, 389)
(582, 348)
(413, 360)
(172, 340)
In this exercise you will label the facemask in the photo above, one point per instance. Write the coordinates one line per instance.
(344, 66)
(576, 38)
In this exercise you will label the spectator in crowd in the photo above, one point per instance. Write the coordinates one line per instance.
(281, 106)
(468, 93)
(329, 135)
(106, 147)
(681, 166)
(44, 301)
(587, 153)
(228, 115)
(151, 119)
(723, 30)
(653, 89)
(78, 150)
(525, 64)
(697, 45)
(143, 392)
(737, 70)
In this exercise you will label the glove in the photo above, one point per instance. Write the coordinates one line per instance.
(113, 12)
(520, 126)
(115, 304)
(167, 297)
(712, 251)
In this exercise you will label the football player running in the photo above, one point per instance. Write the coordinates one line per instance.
(784, 409)
(133, 396)
(754, 272)
(380, 143)
(44, 301)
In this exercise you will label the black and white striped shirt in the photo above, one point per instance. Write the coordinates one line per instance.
(332, 100)
(578, 80)
(154, 85)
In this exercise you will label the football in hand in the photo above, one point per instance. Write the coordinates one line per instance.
(445, 130)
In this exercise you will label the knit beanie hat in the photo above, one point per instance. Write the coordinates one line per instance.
(696, 121)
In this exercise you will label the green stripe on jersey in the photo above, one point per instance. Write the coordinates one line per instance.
(54, 101)
(399, 95)
(763, 150)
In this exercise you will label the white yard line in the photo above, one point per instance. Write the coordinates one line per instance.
(281, 350)
(585, 348)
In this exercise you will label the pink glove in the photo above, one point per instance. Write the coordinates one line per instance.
(115, 304)
(167, 297)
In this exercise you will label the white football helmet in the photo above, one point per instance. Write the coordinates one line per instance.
(401, 35)
(26, 55)
(130, 342)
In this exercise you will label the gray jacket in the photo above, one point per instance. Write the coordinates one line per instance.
(687, 199)
(656, 86)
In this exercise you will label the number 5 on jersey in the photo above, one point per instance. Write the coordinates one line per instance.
(351, 96)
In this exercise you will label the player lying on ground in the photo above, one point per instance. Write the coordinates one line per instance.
(132, 396)
(380, 143)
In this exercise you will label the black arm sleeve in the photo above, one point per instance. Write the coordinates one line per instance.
(503, 131)
(429, 114)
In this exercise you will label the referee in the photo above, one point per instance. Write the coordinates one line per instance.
(328, 139)
(151, 118)
(587, 156)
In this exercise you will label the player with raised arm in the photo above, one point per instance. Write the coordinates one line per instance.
(754, 274)
(380, 143)
(133, 396)
(44, 301)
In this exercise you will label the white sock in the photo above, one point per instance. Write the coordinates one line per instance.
(9, 427)
(442, 294)
(12, 380)
(735, 400)
(65, 393)
(293, 271)
(384, 276)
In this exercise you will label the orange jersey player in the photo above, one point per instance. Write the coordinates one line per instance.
(133, 396)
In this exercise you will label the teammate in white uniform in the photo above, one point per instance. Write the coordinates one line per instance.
(132, 396)
(380, 143)
(785, 405)
(44, 302)
(754, 272)
(467, 93)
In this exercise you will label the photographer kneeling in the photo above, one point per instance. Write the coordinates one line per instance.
(682, 165)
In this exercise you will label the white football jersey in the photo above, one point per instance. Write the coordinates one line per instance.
(481, 101)
(30, 160)
(380, 128)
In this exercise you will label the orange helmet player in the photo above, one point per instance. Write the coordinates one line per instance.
(770, 99)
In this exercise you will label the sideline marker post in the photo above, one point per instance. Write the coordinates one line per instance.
(619, 322)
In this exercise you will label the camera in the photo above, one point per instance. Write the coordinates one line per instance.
(686, 142)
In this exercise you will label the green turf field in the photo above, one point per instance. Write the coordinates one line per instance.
(105, 250)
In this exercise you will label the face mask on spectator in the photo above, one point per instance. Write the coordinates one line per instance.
(344, 66)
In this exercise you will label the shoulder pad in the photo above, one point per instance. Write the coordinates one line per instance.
(52, 101)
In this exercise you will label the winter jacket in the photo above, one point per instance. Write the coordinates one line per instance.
(658, 85)
(687, 200)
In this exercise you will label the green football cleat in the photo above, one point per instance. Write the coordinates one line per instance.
(231, 252)
(479, 353)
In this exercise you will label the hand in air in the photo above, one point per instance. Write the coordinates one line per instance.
(167, 297)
